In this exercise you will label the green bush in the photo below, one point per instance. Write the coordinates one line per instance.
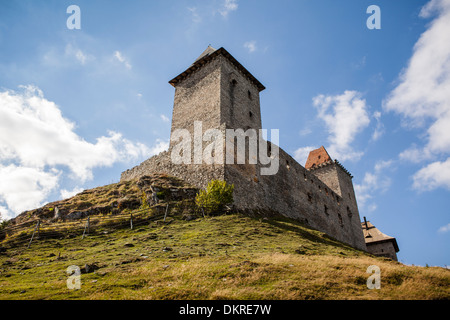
(144, 202)
(216, 196)
(3, 224)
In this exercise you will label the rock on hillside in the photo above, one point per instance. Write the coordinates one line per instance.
(113, 198)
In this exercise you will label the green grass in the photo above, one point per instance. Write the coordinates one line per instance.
(224, 257)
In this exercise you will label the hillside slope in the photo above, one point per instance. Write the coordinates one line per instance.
(230, 256)
(115, 198)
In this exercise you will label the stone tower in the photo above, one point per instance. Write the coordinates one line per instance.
(334, 175)
(218, 91)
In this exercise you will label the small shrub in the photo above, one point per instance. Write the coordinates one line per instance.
(144, 202)
(3, 224)
(216, 196)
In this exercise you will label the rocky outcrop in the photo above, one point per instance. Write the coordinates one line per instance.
(113, 199)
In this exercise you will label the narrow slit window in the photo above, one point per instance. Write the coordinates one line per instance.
(349, 212)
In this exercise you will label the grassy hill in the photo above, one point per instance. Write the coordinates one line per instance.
(231, 256)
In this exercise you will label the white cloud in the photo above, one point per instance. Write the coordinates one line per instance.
(159, 147)
(78, 54)
(432, 176)
(38, 145)
(118, 55)
(423, 95)
(379, 129)
(301, 154)
(22, 188)
(250, 46)
(65, 194)
(444, 229)
(345, 116)
(376, 181)
(415, 154)
(195, 15)
(228, 6)
(5, 214)
(305, 131)
(164, 118)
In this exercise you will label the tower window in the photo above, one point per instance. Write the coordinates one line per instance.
(250, 114)
(309, 197)
(325, 209)
(249, 94)
(233, 82)
(349, 212)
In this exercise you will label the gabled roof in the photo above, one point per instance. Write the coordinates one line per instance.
(209, 54)
(317, 157)
(372, 235)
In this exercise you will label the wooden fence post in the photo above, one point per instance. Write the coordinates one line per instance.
(86, 226)
(131, 221)
(165, 215)
(35, 228)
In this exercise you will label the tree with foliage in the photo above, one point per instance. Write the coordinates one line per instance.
(217, 195)
(3, 223)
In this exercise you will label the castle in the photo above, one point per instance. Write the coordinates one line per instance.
(218, 91)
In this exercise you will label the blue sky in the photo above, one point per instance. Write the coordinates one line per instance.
(78, 107)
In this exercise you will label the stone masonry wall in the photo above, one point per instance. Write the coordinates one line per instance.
(296, 193)
(196, 175)
(197, 98)
(384, 249)
(239, 99)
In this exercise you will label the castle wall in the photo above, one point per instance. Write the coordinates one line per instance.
(296, 193)
(222, 96)
(334, 176)
(198, 175)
